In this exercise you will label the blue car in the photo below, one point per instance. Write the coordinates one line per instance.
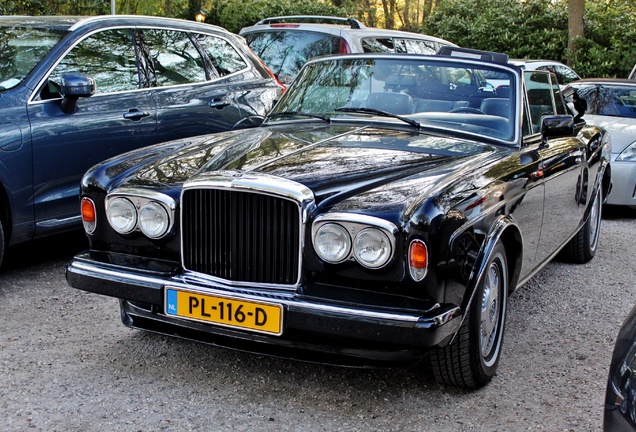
(75, 91)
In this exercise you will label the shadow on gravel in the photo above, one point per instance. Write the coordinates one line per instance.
(58, 247)
(612, 212)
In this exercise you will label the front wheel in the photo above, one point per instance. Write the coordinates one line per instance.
(582, 247)
(471, 359)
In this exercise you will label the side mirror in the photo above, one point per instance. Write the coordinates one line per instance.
(74, 86)
(555, 126)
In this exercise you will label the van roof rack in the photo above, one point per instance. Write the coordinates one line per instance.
(452, 51)
(319, 19)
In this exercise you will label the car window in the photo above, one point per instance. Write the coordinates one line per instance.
(224, 57)
(22, 49)
(539, 89)
(609, 100)
(399, 45)
(107, 56)
(418, 46)
(565, 74)
(174, 57)
(559, 103)
(285, 52)
(379, 45)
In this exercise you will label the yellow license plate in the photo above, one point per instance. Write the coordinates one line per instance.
(225, 311)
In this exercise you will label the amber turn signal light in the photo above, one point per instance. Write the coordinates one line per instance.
(89, 216)
(418, 260)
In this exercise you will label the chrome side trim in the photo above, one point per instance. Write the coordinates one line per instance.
(52, 223)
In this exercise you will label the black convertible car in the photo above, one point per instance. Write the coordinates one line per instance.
(384, 211)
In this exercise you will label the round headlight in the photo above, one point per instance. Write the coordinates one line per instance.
(372, 248)
(122, 215)
(332, 243)
(153, 220)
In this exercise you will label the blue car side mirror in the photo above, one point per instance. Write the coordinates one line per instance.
(74, 86)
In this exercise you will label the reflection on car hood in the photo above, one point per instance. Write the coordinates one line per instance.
(330, 160)
(622, 129)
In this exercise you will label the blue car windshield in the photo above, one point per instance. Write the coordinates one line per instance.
(433, 93)
(22, 49)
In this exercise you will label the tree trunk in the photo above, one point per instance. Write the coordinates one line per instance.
(576, 8)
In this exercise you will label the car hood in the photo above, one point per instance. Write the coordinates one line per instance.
(335, 162)
(622, 129)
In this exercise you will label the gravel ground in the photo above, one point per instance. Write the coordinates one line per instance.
(67, 364)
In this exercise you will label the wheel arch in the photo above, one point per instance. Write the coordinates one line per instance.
(505, 230)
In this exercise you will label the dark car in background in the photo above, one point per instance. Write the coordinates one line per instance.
(75, 91)
(383, 212)
(285, 43)
(620, 397)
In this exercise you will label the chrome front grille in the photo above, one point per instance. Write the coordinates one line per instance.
(241, 236)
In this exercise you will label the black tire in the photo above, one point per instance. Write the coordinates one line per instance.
(582, 247)
(471, 360)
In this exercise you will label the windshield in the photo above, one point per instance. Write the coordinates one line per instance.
(22, 49)
(609, 100)
(429, 92)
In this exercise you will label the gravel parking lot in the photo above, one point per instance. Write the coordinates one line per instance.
(67, 364)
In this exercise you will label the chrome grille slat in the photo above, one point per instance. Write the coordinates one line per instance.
(241, 236)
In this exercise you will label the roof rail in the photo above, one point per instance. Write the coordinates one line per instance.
(321, 19)
(452, 51)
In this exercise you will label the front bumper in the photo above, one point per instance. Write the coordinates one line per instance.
(312, 324)
(623, 183)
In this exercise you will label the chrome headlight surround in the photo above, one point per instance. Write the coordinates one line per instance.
(121, 214)
(149, 212)
(332, 243)
(370, 241)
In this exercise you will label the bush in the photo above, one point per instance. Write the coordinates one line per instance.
(538, 29)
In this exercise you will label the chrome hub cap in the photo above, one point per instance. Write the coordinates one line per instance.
(490, 310)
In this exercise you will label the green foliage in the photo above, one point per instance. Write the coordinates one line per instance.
(530, 29)
(609, 46)
(54, 7)
(539, 29)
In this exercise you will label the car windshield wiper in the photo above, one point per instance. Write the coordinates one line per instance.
(380, 113)
(298, 113)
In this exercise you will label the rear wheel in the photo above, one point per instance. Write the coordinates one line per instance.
(471, 360)
(582, 247)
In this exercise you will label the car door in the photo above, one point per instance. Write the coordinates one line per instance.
(118, 117)
(562, 162)
(191, 96)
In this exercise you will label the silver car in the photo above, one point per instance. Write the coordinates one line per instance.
(611, 104)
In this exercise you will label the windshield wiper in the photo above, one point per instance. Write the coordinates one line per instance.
(298, 113)
(380, 113)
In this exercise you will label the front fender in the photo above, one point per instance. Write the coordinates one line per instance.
(503, 229)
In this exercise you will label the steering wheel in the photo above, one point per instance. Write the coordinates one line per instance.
(467, 110)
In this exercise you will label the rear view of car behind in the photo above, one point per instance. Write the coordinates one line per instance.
(286, 43)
